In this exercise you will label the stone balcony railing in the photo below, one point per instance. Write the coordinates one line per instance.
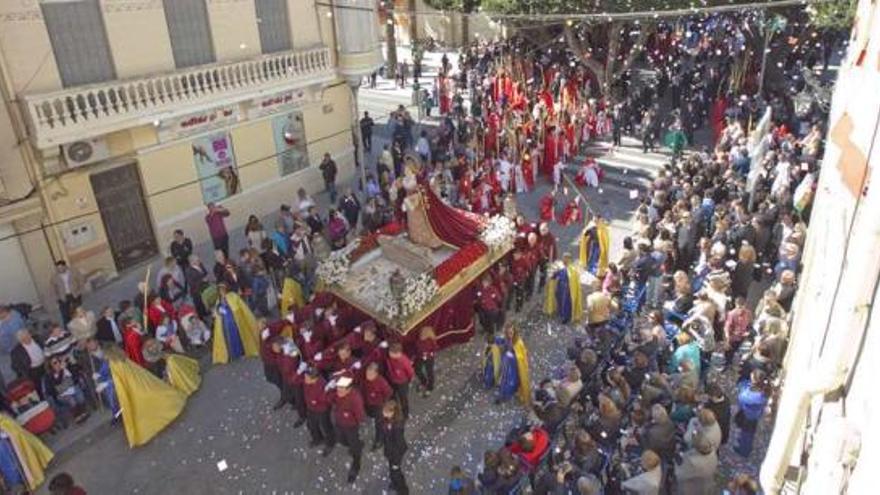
(89, 111)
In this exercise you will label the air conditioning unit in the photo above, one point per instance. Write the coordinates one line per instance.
(81, 153)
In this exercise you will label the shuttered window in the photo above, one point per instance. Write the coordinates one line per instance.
(190, 32)
(274, 25)
(79, 41)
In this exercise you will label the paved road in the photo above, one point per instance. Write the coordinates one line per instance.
(230, 418)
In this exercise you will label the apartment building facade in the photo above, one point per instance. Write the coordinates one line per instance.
(122, 119)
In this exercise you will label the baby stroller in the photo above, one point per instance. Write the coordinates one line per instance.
(193, 327)
(32, 412)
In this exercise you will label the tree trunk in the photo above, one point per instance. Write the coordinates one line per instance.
(391, 46)
(607, 74)
(413, 23)
(611, 57)
(586, 58)
(465, 29)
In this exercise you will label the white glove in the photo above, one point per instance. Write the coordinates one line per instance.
(290, 317)
(356, 365)
(301, 368)
(357, 329)
(330, 385)
(383, 344)
(265, 333)
(319, 356)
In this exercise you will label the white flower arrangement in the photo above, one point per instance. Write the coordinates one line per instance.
(498, 233)
(334, 270)
(420, 290)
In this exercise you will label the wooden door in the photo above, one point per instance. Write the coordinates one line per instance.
(124, 213)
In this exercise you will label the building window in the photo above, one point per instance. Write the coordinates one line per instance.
(290, 143)
(274, 25)
(79, 41)
(190, 32)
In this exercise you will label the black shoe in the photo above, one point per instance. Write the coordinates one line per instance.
(376, 446)
(278, 405)
(352, 475)
(326, 451)
(315, 443)
(299, 423)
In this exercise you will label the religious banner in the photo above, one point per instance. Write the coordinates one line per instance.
(278, 102)
(290, 143)
(195, 123)
(215, 166)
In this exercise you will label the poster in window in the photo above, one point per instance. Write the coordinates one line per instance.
(215, 166)
(290, 142)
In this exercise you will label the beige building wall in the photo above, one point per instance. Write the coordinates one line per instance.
(139, 40)
(140, 46)
(26, 48)
(304, 24)
(263, 190)
(14, 180)
(234, 30)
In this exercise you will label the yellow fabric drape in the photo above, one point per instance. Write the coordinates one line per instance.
(496, 362)
(148, 404)
(247, 329)
(291, 295)
(604, 237)
(550, 297)
(33, 455)
(574, 289)
(523, 392)
(183, 373)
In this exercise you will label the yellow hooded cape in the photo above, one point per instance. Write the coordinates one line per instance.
(603, 237)
(183, 373)
(148, 404)
(247, 329)
(291, 295)
(33, 455)
(523, 392)
(574, 289)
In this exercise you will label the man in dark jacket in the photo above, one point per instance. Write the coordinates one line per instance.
(367, 132)
(328, 172)
(196, 281)
(28, 358)
(719, 404)
(181, 248)
(350, 207)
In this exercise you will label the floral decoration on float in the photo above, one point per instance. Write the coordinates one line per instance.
(498, 233)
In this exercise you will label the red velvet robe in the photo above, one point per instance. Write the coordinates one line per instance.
(547, 98)
(571, 214)
(716, 116)
(551, 152)
(570, 138)
(155, 314)
(546, 206)
(491, 141)
(528, 172)
(445, 100)
(133, 344)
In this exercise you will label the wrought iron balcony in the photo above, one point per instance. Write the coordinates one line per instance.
(89, 111)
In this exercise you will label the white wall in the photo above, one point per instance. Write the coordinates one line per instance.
(835, 328)
(16, 284)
